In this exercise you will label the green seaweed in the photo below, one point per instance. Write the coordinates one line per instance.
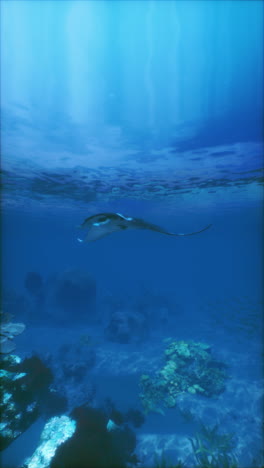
(212, 449)
(162, 462)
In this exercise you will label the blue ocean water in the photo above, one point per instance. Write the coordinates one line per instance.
(154, 110)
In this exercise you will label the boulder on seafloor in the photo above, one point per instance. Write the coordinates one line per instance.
(127, 327)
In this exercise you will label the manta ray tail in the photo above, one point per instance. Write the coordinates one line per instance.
(141, 224)
(189, 233)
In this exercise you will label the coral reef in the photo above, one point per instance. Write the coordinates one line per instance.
(25, 394)
(18, 411)
(56, 431)
(7, 332)
(98, 442)
(189, 367)
(72, 361)
(70, 365)
(88, 438)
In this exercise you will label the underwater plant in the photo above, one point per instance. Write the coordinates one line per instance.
(189, 368)
(212, 449)
(162, 462)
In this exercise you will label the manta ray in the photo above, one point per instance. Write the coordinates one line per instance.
(103, 224)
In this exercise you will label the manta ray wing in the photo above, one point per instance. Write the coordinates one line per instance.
(101, 218)
(102, 225)
(98, 232)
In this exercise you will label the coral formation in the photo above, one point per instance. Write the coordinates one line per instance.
(97, 442)
(189, 367)
(56, 431)
(70, 364)
(73, 361)
(88, 438)
(25, 394)
(17, 411)
(7, 332)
